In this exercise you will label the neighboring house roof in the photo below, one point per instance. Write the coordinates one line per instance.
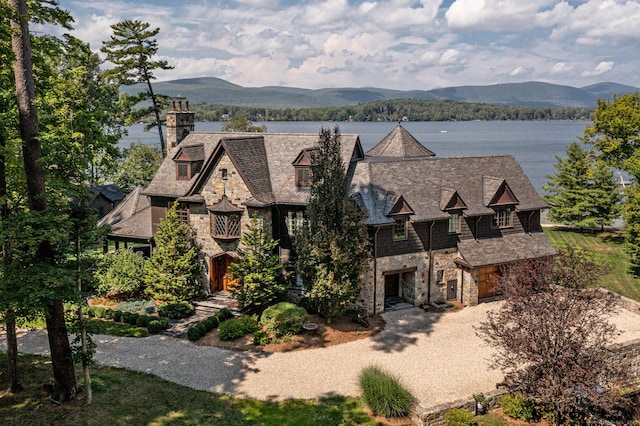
(400, 144)
(425, 184)
(110, 191)
(131, 218)
(264, 160)
(506, 249)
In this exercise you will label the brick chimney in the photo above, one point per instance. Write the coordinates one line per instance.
(179, 123)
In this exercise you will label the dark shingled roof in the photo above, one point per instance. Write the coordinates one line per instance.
(401, 144)
(264, 160)
(131, 218)
(509, 248)
(110, 191)
(421, 181)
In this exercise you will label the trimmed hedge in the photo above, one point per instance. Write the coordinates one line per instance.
(176, 310)
(198, 330)
(234, 328)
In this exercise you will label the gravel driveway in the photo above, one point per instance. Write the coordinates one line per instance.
(438, 356)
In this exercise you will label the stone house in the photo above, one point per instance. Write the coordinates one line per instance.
(440, 227)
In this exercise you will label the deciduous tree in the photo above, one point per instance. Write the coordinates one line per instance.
(137, 166)
(333, 246)
(239, 123)
(132, 49)
(553, 338)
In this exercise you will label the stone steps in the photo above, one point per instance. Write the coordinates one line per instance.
(204, 309)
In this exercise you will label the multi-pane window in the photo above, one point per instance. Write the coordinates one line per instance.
(502, 218)
(183, 213)
(400, 229)
(304, 176)
(182, 171)
(454, 223)
(225, 225)
(295, 221)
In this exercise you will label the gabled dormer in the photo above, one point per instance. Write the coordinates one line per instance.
(451, 202)
(302, 165)
(498, 195)
(400, 212)
(188, 161)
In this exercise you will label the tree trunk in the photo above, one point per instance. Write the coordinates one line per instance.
(12, 351)
(10, 319)
(63, 370)
(156, 110)
(64, 374)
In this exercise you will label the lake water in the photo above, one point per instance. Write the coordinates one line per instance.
(535, 144)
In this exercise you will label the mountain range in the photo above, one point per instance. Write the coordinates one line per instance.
(213, 90)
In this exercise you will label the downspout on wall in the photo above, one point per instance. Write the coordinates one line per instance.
(375, 268)
(430, 273)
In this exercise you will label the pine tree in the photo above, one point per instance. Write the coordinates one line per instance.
(583, 192)
(172, 273)
(132, 49)
(258, 270)
(333, 247)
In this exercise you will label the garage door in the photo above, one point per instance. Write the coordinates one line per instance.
(488, 281)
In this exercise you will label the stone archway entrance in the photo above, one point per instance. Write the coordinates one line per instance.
(219, 275)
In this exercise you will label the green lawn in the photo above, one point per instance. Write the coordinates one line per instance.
(123, 397)
(606, 248)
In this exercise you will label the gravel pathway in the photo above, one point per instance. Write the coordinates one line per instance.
(438, 356)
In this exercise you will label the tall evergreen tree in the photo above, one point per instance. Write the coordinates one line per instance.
(172, 273)
(583, 192)
(333, 246)
(132, 49)
(257, 269)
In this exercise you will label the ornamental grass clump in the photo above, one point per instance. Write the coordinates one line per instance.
(384, 393)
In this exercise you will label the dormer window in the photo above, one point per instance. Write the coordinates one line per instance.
(454, 223)
(302, 165)
(224, 220)
(400, 228)
(189, 161)
(502, 218)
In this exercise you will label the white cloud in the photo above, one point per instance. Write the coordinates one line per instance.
(494, 15)
(601, 68)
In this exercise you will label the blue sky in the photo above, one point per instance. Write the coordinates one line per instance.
(395, 44)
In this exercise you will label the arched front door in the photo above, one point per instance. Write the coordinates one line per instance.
(219, 274)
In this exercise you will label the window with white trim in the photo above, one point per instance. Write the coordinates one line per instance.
(502, 218)
(295, 222)
(454, 223)
(400, 229)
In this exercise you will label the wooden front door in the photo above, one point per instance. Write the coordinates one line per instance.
(219, 274)
(452, 289)
(392, 285)
(488, 281)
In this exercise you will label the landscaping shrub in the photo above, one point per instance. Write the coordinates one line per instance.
(98, 311)
(137, 306)
(90, 311)
(383, 393)
(211, 323)
(164, 321)
(117, 316)
(517, 406)
(225, 314)
(460, 417)
(260, 338)
(176, 310)
(142, 321)
(308, 304)
(194, 333)
(284, 318)
(109, 313)
(132, 318)
(155, 326)
(234, 328)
